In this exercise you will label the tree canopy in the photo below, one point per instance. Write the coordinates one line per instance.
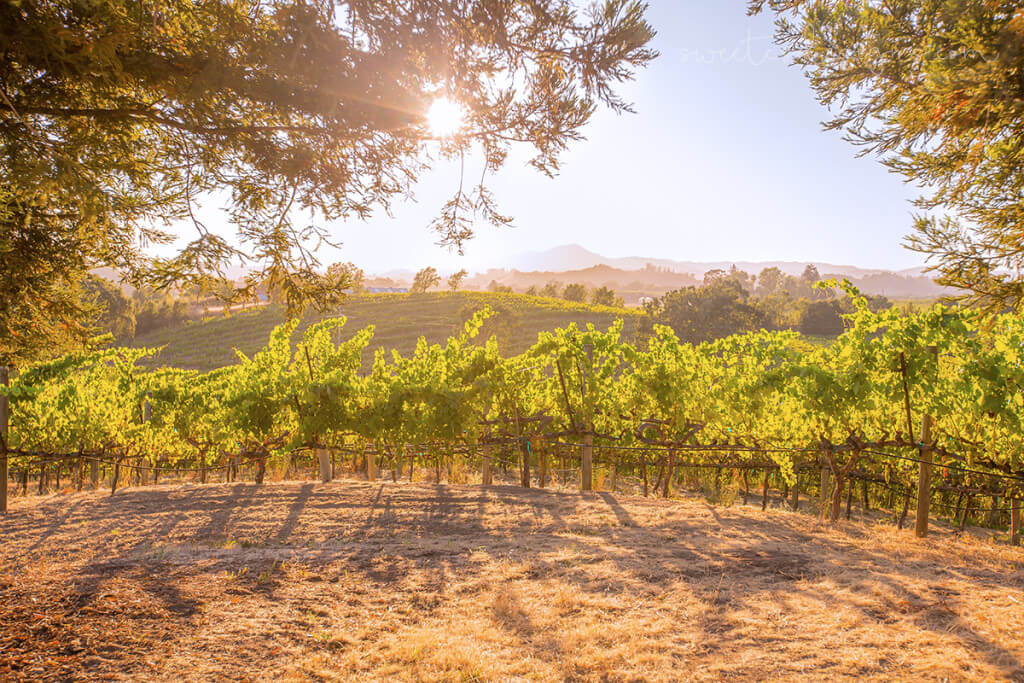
(935, 88)
(118, 117)
(425, 279)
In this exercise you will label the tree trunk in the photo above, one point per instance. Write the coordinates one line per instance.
(764, 489)
(906, 506)
(670, 467)
(967, 510)
(524, 471)
(117, 476)
(1015, 513)
(643, 471)
(660, 474)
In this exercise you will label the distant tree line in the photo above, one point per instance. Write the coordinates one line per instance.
(126, 315)
(733, 301)
(578, 292)
(128, 312)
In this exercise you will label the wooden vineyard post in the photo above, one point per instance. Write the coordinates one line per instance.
(324, 460)
(795, 504)
(613, 472)
(524, 452)
(587, 462)
(542, 467)
(1016, 505)
(485, 466)
(924, 476)
(826, 491)
(4, 432)
(94, 472)
(587, 450)
(643, 471)
(764, 489)
(143, 471)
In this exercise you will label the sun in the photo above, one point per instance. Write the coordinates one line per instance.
(445, 118)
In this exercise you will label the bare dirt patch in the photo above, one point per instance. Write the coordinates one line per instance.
(358, 581)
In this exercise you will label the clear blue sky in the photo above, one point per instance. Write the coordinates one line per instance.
(725, 159)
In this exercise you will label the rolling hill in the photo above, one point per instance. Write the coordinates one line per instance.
(400, 319)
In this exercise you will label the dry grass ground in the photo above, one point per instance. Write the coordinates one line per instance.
(355, 581)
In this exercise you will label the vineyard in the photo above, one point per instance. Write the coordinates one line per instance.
(921, 413)
(398, 320)
(215, 557)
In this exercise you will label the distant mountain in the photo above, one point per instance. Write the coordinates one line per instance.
(636, 276)
(575, 257)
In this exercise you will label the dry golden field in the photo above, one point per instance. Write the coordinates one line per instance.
(355, 581)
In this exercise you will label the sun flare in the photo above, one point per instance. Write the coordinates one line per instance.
(445, 118)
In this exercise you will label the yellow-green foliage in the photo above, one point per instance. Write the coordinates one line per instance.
(400, 319)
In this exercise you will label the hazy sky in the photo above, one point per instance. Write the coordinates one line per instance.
(725, 159)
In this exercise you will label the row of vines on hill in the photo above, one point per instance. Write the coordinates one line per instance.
(767, 397)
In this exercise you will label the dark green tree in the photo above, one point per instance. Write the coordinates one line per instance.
(575, 292)
(551, 290)
(779, 309)
(770, 280)
(605, 296)
(346, 276)
(117, 118)
(821, 318)
(933, 88)
(699, 314)
(810, 274)
(116, 312)
(425, 280)
(455, 279)
(499, 288)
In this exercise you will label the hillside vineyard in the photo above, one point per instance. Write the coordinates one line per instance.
(893, 393)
